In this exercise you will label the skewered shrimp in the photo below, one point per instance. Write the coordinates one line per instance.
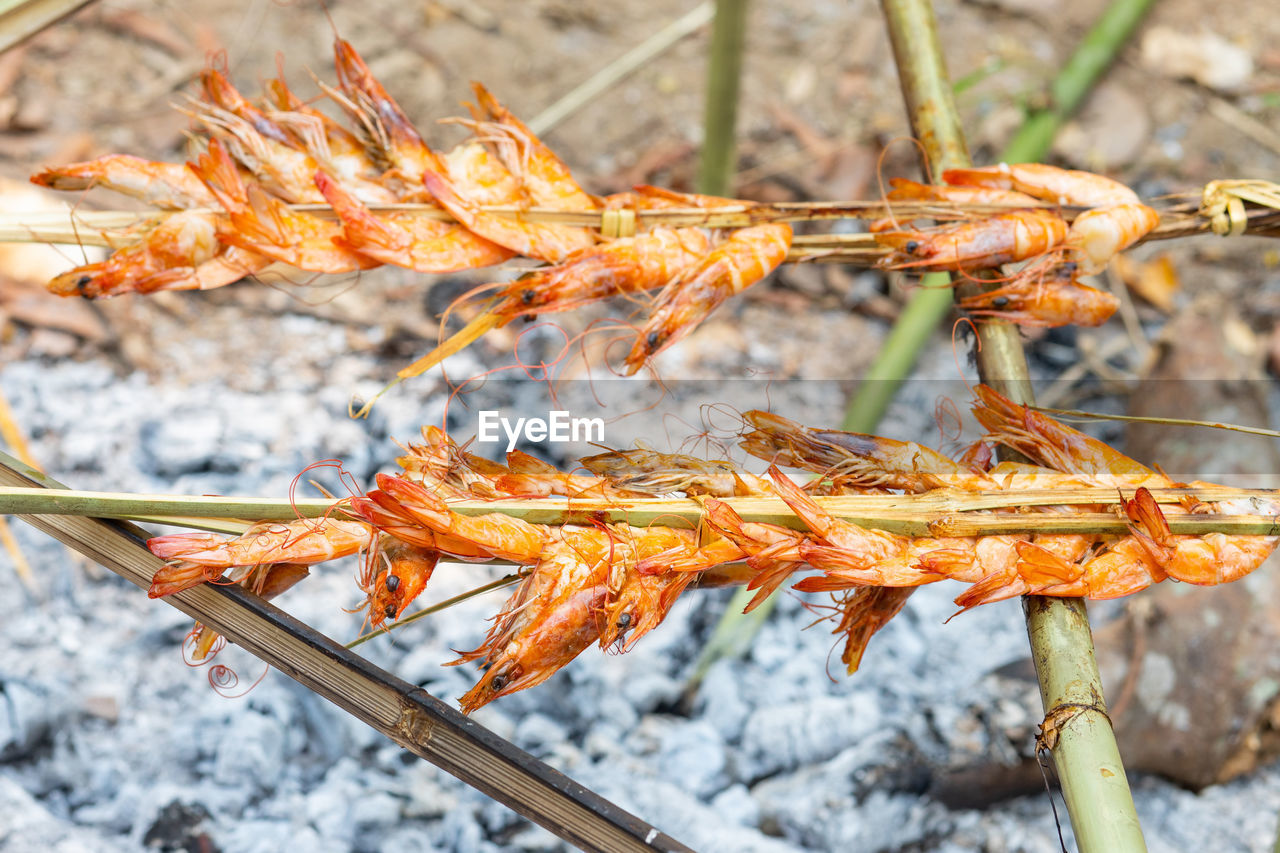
(552, 617)
(400, 572)
(168, 185)
(387, 129)
(544, 241)
(338, 151)
(502, 536)
(542, 174)
(1055, 445)
(908, 190)
(772, 551)
(1118, 219)
(265, 225)
(649, 471)
(856, 459)
(1052, 300)
(449, 469)
(638, 601)
(530, 476)
(1049, 183)
(180, 253)
(746, 257)
(267, 150)
(981, 244)
(405, 239)
(203, 556)
(618, 267)
(1209, 559)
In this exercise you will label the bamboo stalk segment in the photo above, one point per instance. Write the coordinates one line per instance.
(21, 19)
(943, 512)
(1084, 750)
(403, 712)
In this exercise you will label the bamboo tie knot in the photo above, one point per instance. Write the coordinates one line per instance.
(1223, 203)
(618, 223)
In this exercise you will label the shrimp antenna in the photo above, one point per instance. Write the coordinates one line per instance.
(506, 580)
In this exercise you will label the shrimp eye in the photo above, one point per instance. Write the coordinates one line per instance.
(498, 682)
(912, 246)
(1000, 302)
(624, 621)
(527, 296)
(389, 611)
(653, 340)
(83, 281)
(393, 583)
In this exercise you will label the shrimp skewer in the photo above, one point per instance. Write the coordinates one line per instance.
(1055, 445)
(267, 150)
(1048, 300)
(500, 535)
(405, 239)
(180, 253)
(1116, 221)
(199, 557)
(618, 267)
(543, 175)
(265, 225)
(396, 573)
(172, 186)
(746, 257)
(981, 244)
(856, 459)
(337, 150)
(656, 473)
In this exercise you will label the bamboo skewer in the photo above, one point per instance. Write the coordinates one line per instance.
(943, 512)
(403, 712)
(113, 229)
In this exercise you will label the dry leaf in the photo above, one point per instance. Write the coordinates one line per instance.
(1205, 57)
(1155, 281)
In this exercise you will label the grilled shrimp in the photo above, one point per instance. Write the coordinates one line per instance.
(169, 185)
(406, 239)
(275, 157)
(981, 244)
(267, 226)
(1116, 221)
(182, 252)
(746, 257)
(1038, 299)
(856, 459)
(655, 473)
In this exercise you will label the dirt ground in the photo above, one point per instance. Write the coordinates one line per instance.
(820, 118)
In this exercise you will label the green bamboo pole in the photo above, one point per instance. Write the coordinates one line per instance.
(1085, 753)
(716, 167)
(930, 304)
(1091, 58)
(932, 301)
